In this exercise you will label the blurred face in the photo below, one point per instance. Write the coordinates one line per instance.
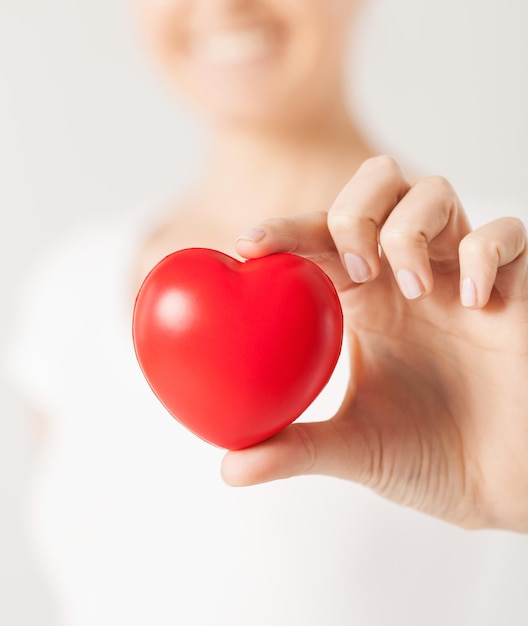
(252, 60)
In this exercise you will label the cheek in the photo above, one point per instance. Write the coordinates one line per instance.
(328, 13)
(318, 50)
(321, 28)
(162, 21)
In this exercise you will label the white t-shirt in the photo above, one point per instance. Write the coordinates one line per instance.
(133, 525)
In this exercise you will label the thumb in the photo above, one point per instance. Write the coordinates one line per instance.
(304, 448)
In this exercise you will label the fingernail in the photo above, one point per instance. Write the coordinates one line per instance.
(357, 267)
(254, 235)
(410, 285)
(468, 293)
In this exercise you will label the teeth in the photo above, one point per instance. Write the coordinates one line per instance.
(234, 48)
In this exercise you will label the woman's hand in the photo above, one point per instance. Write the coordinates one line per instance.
(436, 318)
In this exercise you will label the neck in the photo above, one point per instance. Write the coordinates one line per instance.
(256, 173)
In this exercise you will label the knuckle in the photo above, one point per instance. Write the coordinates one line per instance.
(513, 244)
(352, 225)
(438, 184)
(398, 238)
(341, 221)
(516, 225)
(382, 165)
(284, 231)
(476, 246)
(279, 226)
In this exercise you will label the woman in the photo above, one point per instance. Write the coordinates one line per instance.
(133, 522)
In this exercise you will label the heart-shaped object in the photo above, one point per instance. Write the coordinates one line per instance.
(235, 350)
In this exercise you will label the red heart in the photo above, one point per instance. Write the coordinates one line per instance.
(236, 351)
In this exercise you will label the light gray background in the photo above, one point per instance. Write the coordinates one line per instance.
(86, 128)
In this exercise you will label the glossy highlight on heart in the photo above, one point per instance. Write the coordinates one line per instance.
(236, 351)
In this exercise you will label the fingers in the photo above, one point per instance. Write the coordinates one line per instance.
(303, 448)
(425, 227)
(378, 206)
(361, 209)
(352, 223)
(420, 229)
(414, 226)
(499, 244)
(306, 235)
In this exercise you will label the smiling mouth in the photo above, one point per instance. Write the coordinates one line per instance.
(234, 49)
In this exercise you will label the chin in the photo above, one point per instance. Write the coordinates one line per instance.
(243, 109)
(259, 97)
